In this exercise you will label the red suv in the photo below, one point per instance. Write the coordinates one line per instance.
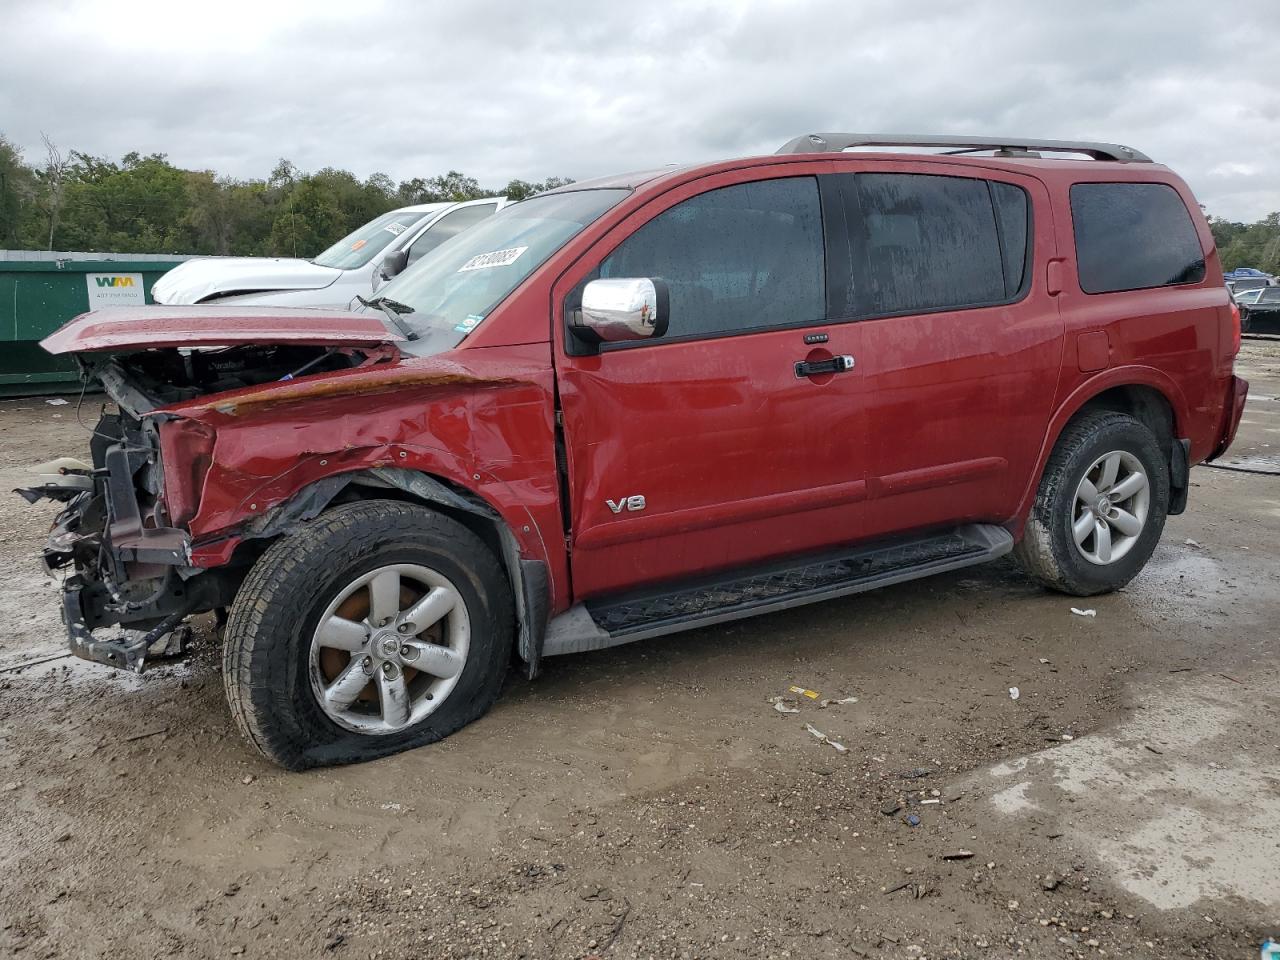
(647, 403)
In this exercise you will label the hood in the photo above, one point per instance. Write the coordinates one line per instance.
(126, 329)
(198, 280)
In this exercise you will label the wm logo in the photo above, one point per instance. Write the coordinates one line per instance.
(114, 281)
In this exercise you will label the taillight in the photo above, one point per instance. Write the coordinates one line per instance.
(186, 452)
(1235, 331)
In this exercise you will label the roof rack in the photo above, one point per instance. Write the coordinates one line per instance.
(1009, 146)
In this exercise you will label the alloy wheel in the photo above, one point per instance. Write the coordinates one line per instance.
(1110, 508)
(389, 649)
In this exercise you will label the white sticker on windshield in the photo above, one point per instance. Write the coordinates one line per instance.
(396, 228)
(498, 258)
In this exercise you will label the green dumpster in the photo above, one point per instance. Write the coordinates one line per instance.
(40, 291)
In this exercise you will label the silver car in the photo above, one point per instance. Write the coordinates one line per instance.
(356, 264)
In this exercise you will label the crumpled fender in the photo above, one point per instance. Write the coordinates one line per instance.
(481, 420)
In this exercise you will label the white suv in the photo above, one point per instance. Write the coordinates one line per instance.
(356, 264)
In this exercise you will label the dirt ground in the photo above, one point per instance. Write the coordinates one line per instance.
(648, 801)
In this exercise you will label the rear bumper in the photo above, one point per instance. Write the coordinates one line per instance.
(1234, 410)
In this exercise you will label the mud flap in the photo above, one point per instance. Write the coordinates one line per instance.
(1179, 475)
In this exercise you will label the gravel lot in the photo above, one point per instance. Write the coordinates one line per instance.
(648, 801)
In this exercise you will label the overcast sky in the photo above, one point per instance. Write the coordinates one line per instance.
(536, 89)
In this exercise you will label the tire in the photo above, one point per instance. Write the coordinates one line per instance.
(274, 664)
(1049, 551)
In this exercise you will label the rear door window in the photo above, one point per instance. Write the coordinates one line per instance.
(737, 258)
(922, 243)
(1133, 236)
(450, 225)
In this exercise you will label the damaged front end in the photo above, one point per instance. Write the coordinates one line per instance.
(122, 537)
(128, 564)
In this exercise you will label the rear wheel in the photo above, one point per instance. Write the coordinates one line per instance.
(377, 627)
(1100, 507)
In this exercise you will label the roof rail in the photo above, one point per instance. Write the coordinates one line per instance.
(1015, 146)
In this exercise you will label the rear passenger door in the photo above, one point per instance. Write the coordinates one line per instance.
(960, 342)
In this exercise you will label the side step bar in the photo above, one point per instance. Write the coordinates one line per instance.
(610, 621)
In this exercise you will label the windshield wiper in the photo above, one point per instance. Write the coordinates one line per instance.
(394, 310)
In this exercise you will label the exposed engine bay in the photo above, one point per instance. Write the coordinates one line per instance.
(141, 382)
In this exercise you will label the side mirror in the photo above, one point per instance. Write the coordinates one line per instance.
(393, 264)
(622, 309)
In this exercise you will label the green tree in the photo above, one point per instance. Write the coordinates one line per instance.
(17, 191)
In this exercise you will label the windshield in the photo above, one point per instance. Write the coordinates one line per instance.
(454, 287)
(1269, 295)
(358, 248)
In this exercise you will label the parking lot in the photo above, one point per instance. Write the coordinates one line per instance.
(650, 801)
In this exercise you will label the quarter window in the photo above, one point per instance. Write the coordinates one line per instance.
(1133, 236)
(737, 258)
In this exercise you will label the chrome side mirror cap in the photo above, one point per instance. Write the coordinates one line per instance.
(616, 310)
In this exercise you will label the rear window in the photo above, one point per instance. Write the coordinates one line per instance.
(1133, 236)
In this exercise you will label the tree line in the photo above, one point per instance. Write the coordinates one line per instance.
(1249, 244)
(144, 204)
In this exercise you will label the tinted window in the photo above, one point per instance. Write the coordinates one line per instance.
(1013, 222)
(740, 257)
(450, 225)
(1130, 236)
(931, 243)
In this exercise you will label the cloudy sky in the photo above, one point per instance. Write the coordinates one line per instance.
(586, 87)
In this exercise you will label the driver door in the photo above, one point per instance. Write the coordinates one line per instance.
(705, 449)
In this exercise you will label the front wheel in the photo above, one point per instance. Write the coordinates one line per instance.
(1100, 507)
(377, 627)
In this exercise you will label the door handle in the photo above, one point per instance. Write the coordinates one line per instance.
(813, 368)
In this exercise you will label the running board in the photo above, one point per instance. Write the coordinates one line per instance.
(610, 621)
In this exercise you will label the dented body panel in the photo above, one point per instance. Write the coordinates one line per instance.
(482, 420)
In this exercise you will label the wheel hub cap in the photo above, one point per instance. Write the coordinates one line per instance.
(387, 645)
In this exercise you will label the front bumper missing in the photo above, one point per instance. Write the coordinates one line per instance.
(125, 653)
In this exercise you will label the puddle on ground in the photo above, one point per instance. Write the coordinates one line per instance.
(1187, 584)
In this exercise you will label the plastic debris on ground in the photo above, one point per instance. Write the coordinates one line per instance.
(811, 694)
(958, 855)
(1084, 613)
(832, 703)
(839, 747)
(56, 402)
(1014, 693)
(911, 820)
(783, 704)
(1192, 543)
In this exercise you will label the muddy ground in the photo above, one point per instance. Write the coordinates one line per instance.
(648, 801)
